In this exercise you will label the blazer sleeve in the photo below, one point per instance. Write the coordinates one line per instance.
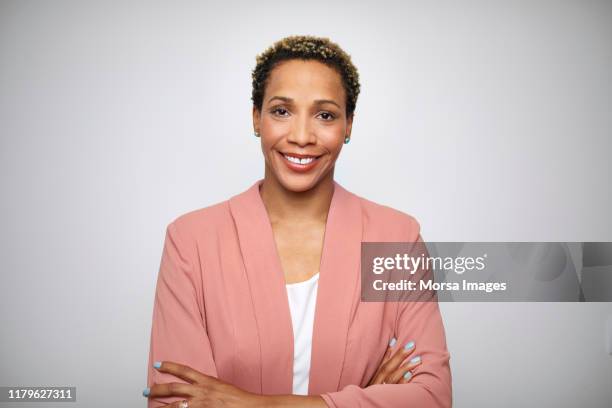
(430, 386)
(178, 331)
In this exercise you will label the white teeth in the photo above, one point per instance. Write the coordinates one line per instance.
(298, 160)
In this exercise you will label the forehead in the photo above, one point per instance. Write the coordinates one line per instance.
(310, 79)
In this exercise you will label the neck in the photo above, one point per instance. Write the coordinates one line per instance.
(283, 204)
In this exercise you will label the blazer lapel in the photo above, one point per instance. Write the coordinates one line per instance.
(338, 285)
(338, 288)
(268, 292)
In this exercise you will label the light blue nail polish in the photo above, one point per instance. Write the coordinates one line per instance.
(157, 364)
(146, 392)
(415, 360)
(392, 342)
(409, 345)
(408, 375)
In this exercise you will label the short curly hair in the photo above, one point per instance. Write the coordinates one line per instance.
(306, 47)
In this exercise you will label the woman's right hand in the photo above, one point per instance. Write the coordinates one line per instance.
(391, 370)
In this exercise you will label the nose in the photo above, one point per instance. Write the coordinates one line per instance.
(302, 134)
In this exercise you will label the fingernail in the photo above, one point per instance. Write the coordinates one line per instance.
(409, 345)
(157, 364)
(416, 360)
(392, 342)
(408, 375)
(146, 392)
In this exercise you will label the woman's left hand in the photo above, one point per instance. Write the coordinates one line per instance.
(203, 391)
(395, 369)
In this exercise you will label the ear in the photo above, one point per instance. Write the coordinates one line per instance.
(256, 119)
(349, 125)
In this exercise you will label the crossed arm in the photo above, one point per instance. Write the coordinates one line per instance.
(426, 385)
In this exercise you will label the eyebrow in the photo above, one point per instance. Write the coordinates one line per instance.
(289, 100)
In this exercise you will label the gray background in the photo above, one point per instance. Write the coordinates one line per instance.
(486, 120)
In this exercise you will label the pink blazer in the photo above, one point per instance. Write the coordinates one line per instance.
(221, 307)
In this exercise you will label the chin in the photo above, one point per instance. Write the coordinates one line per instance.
(297, 183)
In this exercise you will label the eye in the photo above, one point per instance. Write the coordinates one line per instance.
(280, 111)
(326, 116)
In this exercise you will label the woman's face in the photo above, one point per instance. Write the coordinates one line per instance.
(302, 123)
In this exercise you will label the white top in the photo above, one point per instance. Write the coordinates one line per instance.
(302, 298)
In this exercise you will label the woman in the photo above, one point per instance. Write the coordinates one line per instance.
(258, 297)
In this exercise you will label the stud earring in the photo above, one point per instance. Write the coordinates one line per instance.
(346, 140)
(256, 134)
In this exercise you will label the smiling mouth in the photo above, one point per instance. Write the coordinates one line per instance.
(296, 160)
(300, 163)
(299, 159)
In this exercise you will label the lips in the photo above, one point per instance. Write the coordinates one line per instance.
(299, 162)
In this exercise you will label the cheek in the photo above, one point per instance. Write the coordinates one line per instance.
(332, 138)
(272, 132)
(275, 129)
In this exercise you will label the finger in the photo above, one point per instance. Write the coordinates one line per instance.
(388, 368)
(377, 378)
(405, 371)
(172, 389)
(406, 377)
(390, 349)
(182, 371)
